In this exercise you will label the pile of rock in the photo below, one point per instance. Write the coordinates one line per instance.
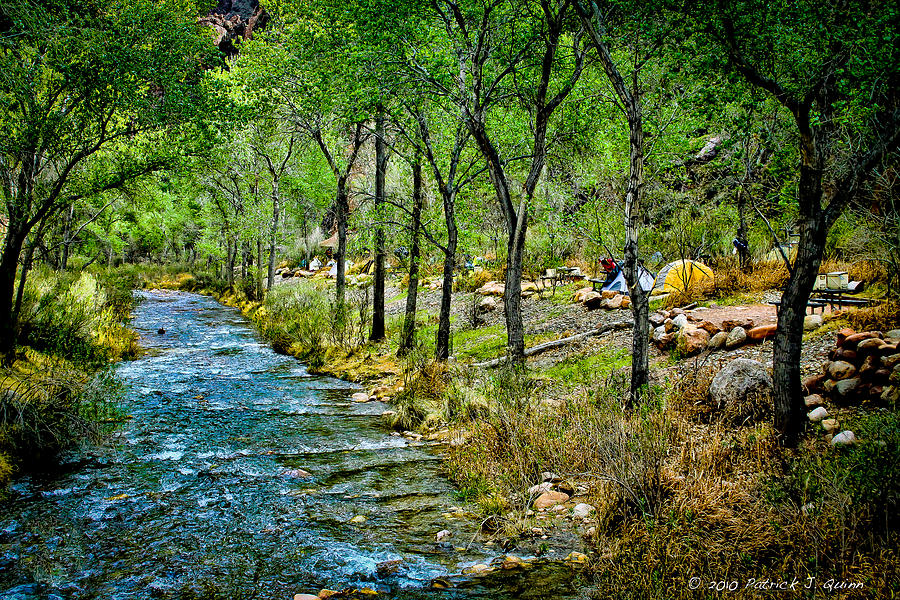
(606, 299)
(862, 366)
(497, 288)
(286, 273)
(690, 334)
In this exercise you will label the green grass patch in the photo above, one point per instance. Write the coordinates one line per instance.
(484, 343)
(587, 367)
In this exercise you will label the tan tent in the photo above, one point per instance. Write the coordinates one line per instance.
(679, 275)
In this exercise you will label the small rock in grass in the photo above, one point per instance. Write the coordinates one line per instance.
(818, 414)
(582, 511)
(444, 534)
(548, 499)
(812, 322)
(537, 490)
(830, 425)
(844, 438)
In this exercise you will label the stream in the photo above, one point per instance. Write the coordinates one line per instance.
(240, 475)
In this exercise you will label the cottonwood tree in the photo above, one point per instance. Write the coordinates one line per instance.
(507, 55)
(89, 100)
(835, 70)
(635, 34)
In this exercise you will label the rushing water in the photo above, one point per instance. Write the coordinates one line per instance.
(204, 488)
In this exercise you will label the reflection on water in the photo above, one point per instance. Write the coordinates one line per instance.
(239, 472)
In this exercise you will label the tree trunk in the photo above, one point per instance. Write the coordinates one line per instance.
(442, 343)
(640, 344)
(229, 263)
(342, 208)
(9, 262)
(273, 234)
(245, 254)
(26, 267)
(381, 159)
(788, 344)
(408, 335)
(66, 242)
(258, 266)
(512, 293)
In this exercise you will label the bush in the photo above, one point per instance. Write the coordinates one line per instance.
(50, 407)
(71, 316)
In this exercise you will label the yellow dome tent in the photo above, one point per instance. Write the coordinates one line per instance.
(680, 275)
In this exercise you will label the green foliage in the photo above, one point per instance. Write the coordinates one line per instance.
(70, 316)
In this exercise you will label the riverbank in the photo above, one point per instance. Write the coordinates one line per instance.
(59, 392)
(664, 495)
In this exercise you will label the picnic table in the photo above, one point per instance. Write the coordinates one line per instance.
(838, 297)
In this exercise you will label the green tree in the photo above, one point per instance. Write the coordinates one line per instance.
(834, 67)
(90, 99)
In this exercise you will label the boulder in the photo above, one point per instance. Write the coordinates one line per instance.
(742, 389)
(665, 341)
(583, 511)
(529, 288)
(444, 534)
(680, 321)
(736, 338)
(869, 366)
(891, 361)
(710, 327)
(582, 293)
(675, 312)
(669, 324)
(888, 350)
(593, 300)
(844, 354)
(657, 319)
(488, 304)
(692, 340)
(717, 341)
(549, 499)
(609, 294)
(813, 400)
(812, 322)
(893, 334)
(615, 301)
(389, 567)
(729, 324)
(840, 369)
(869, 346)
(844, 438)
(757, 334)
(829, 425)
(306, 597)
(491, 288)
(813, 383)
(842, 336)
(360, 397)
(817, 414)
(846, 387)
(626, 302)
(852, 341)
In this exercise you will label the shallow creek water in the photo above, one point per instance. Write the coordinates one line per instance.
(201, 491)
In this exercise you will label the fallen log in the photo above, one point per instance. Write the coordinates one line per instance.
(561, 342)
